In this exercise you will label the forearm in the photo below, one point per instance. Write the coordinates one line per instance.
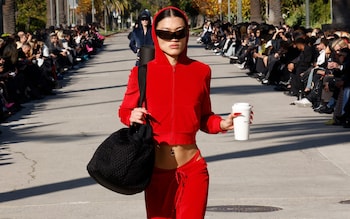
(212, 124)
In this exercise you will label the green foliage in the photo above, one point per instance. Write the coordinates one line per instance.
(154, 5)
(135, 5)
(295, 12)
(296, 17)
(31, 15)
(320, 13)
(188, 6)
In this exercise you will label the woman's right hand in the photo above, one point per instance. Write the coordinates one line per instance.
(138, 115)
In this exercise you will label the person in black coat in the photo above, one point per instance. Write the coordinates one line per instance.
(301, 64)
(142, 34)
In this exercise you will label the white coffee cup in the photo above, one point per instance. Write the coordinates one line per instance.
(242, 122)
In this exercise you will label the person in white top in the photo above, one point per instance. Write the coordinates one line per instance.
(321, 45)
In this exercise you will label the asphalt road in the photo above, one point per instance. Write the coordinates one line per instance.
(292, 161)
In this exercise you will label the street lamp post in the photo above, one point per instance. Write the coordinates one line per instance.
(92, 11)
(229, 11)
(57, 14)
(220, 3)
(73, 14)
(104, 14)
(1, 18)
(68, 13)
(307, 14)
(331, 9)
(51, 12)
(239, 11)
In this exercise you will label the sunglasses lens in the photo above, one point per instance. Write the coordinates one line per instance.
(168, 35)
(163, 34)
(180, 34)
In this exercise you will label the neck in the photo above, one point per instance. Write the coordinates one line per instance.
(172, 59)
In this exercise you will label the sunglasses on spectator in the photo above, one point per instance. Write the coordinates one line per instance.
(168, 35)
(144, 19)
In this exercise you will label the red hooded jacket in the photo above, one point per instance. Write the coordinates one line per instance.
(177, 98)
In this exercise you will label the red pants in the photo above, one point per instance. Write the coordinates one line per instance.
(180, 193)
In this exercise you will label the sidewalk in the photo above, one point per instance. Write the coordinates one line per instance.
(293, 161)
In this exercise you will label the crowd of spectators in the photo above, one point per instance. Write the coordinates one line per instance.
(310, 64)
(33, 64)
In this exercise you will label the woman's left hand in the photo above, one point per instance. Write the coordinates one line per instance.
(227, 124)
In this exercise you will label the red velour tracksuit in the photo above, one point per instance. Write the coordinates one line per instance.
(179, 104)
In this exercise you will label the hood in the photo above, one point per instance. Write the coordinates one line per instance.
(145, 14)
(159, 54)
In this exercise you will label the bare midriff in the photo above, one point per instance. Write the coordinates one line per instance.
(174, 156)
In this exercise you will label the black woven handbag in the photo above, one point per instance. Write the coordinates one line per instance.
(124, 161)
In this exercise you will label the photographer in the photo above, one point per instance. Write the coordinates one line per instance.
(278, 38)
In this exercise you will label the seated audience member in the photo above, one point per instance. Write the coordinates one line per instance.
(58, 53)
(29, 63)
(300, 66)
(321, 64)
(204, 35)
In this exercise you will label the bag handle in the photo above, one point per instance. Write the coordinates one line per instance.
(142, 74)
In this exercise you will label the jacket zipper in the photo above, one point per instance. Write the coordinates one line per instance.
(173, 104)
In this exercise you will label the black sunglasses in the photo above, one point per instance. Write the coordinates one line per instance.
(168, 35)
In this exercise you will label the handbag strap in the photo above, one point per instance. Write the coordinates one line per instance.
(142, 74)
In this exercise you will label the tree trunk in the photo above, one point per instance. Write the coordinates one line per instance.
(62, 12)
(51, 13)
(341, 13)
(255, 13)
(275, 14)
(9, 20)
(48, 14)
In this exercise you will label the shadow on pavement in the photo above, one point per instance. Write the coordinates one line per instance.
(109, 62)
(195, 46)
(4, 157)
(27, 134)
(228, 77)
(311, 140)
(93, 89)
(240, 89)
(105, 72)
(82, 105)
(314, 135)
(116, 50)
(45, 189)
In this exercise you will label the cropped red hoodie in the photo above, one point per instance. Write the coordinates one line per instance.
(178, 98)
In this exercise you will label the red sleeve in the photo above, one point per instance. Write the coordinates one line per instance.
(131, 97)
(210, 123)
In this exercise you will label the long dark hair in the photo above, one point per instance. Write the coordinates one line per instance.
(171, 12)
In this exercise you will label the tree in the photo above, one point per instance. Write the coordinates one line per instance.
(255, 13)
(120, 6)
(62, 9)
(49, 14)
(341, 15)
(111, 6)
(211, 8)
(275, 15)
(294, 12)
(31, 14)
(84, 7)
(9, 20)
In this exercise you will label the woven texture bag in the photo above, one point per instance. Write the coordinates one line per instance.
(124, 161)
